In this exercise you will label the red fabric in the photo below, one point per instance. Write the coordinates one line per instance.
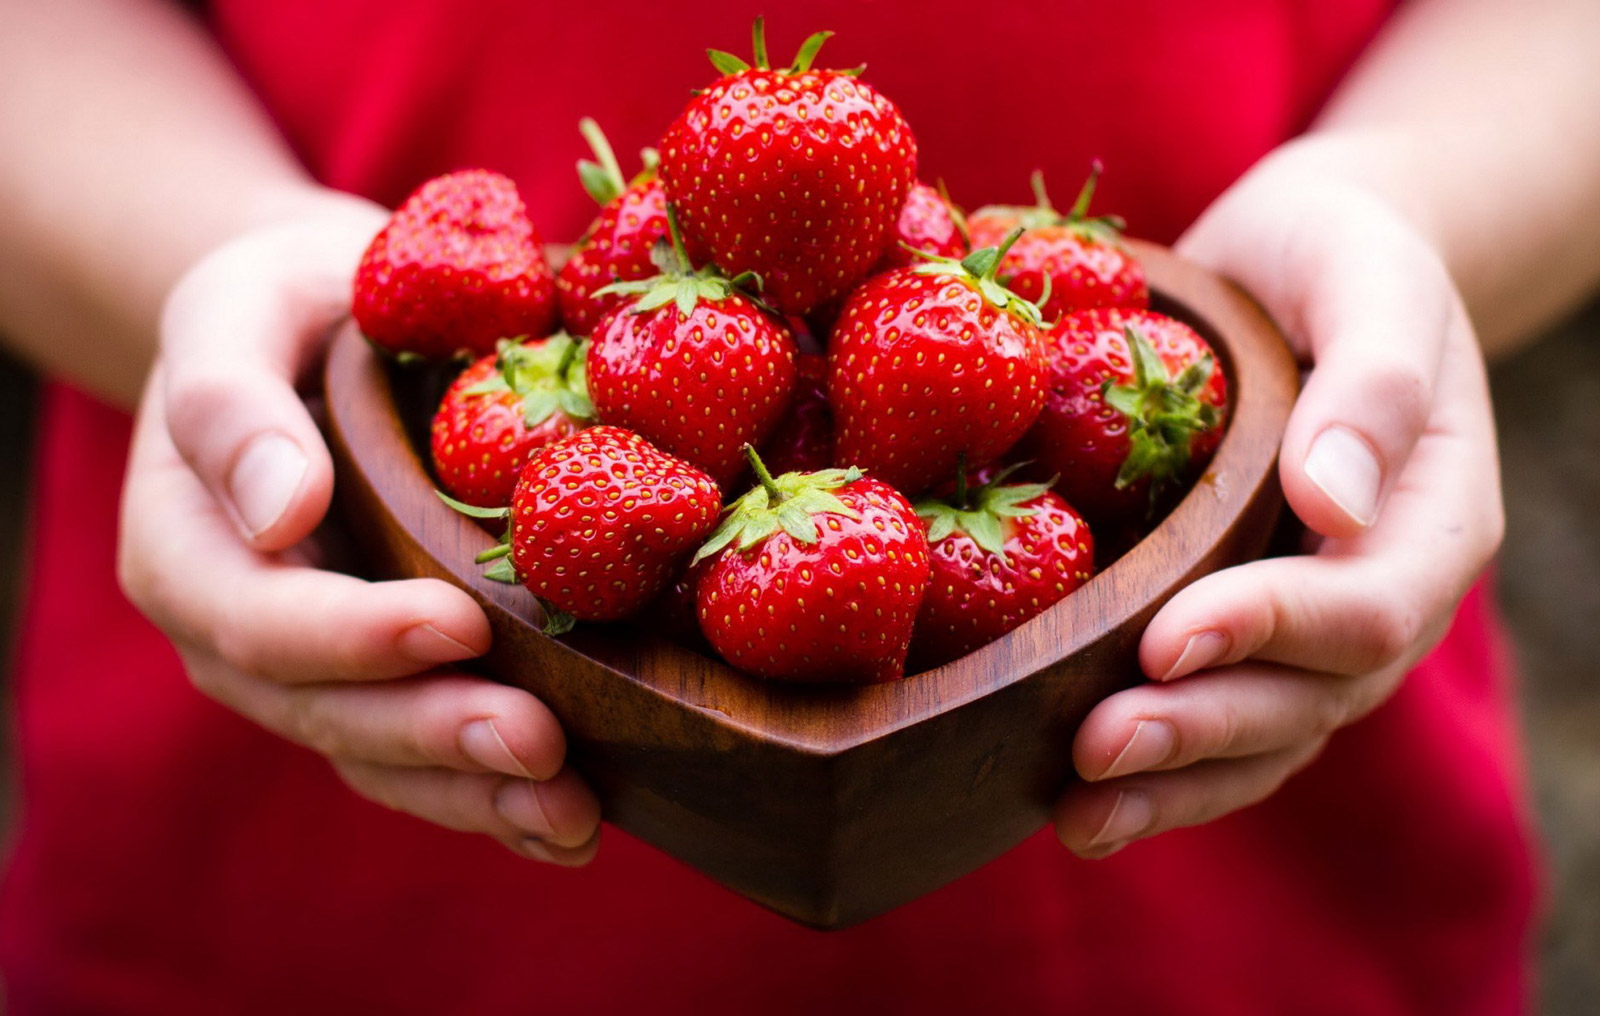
(174, 859)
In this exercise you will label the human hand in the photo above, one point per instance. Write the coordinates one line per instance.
(1389, 457)
(228, 481)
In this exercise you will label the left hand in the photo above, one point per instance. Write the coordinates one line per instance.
(1389, 457)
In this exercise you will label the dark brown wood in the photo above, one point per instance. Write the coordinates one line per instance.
(833, 805)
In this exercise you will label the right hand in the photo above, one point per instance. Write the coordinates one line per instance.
(228, 481)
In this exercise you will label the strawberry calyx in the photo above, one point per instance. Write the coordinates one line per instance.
(498, 558)
(546, 377)
(1098, 228)
(1164, 414)
(680, 283)
(981, 512)
(726, 63)
(979, 268)
(602, 178)
(790, 502)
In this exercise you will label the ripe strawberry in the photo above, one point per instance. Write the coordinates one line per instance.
(1135, 409)
(814, 577)
(1000, 555)
(1064, 262)
(503, 407)
(929, 223)
(803, 439)
(692, 365)
(617, 246)
(601, 523)
(795, 174)
(933, 363)
(458, 268)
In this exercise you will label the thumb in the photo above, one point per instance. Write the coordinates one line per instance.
(238, 332)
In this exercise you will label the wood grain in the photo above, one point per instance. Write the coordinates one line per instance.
(831, 805)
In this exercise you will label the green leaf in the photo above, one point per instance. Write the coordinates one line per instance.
(1195, 376)
(556, 620)
(1124, 399)
(502, 571)
(597, 183)
(538, 405)
(758, 528)
(986, 531)
(1148, 368)
(797, 522)
(940, 525)
(473, 510)
(982, 261)
(688, 296)
(499, 550)
(808, 52)
(726, 63)
(495, 382)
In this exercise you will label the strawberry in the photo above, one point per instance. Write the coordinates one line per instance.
(1064, 262)
(503, 407)
(930, 364)
(814, 577)
(617, 246)
(1001, 554)
(803, 439)
(691, 364)
(601, 523)
(1135, 409)
(928, 222)
(797, 174)
(458, 268)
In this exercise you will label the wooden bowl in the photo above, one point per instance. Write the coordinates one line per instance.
(831, 805)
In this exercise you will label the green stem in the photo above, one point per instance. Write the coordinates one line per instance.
(602, 151)
(758, 39)
(677, 237)
(567, 356)
(1039, 194)
(961, 483)
(1005, 245)
(1080, 207)
(774, 495)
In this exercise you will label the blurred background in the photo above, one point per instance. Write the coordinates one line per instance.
(1547, 402)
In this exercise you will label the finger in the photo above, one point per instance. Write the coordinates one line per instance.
(1361, 603)
(445, 720)
(237, 332)
(183, 565)
(1376, 327)
(557, 821)
(1230, 713)
(1096, 820)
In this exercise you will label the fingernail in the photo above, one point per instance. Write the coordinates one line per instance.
(430, 645)
(1129, 817)
(1343, 466)
(483, 744)
(534, 847)
(264, 480)
(518, 803)
(1101, 853)
(1152, 743)
(1203, 649)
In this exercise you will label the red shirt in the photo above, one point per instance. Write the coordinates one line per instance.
(172, 858)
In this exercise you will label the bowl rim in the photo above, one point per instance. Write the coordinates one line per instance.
(829, 720)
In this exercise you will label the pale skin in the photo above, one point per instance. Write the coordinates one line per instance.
(1446, 198)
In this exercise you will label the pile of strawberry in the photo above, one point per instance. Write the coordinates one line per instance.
(793, 388)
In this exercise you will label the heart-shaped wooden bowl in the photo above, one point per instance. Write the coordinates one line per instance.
(831, 805)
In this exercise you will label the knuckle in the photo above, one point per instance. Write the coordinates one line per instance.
(316, 726)
(1404, 387)
(1392, 629)
(195, 397)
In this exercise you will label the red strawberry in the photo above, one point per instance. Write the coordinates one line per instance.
(617, 246)
(930, 364)
(503, 407)
(1135, 409)
(930, 223)
(814, 577)
(601, 523)
(1064, 262)
(1000, 554)
(458, 268)
(693, 366)
(795, 174)
(803, 440)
